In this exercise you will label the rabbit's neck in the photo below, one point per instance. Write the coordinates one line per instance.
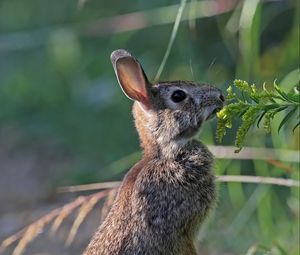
(167, 151)
(154, 143)
(159, 148)
(190, 148)
(171, 149)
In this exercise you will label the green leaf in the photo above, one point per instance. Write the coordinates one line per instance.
(280, 109)
(243, 112)
(256, 100)
(296, 126)
(282, 93)
(271, 106)
(294, 97)
(260, 118)
(269, 95)
(286, 118)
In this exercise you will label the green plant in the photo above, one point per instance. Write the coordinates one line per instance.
(252, 105)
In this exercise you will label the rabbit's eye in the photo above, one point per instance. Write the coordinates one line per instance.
(178, 96)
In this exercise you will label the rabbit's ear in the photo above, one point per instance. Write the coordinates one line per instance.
(131, 77)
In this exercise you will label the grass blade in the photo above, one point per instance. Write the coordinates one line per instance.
(284, 96)
(172, 39)
(296, 126)
(280, 248)
(273, 112)
(286, 118)
(260, 118)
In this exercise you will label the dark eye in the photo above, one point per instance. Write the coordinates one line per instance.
(178, 96)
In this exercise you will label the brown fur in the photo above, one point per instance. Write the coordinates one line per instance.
(164, 198)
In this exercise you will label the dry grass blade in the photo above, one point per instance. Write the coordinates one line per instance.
(280, 165)
(85, 187)
(59, 219)
(258, 179)
(29, 233)
(252, 250)
(227, 152)
(64, 213)
(108, 203)
(86, 207)
(221, 152)
(91, 186)
(220, 178)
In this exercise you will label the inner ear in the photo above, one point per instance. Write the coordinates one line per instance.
(132, 79)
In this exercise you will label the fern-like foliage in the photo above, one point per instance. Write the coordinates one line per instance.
(252, 106)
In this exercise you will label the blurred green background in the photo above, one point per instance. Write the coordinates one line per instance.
(65, 121)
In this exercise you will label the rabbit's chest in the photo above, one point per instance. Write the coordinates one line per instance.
(185, 186)
(194, 183)
(195, 193)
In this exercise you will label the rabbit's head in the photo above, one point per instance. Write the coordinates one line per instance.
(167, 114)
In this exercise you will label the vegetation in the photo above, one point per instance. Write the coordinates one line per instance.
(254, 106)
(58, 92)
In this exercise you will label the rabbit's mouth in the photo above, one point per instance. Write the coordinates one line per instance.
(212, 112)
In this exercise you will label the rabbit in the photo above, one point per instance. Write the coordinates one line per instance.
(164, 197)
